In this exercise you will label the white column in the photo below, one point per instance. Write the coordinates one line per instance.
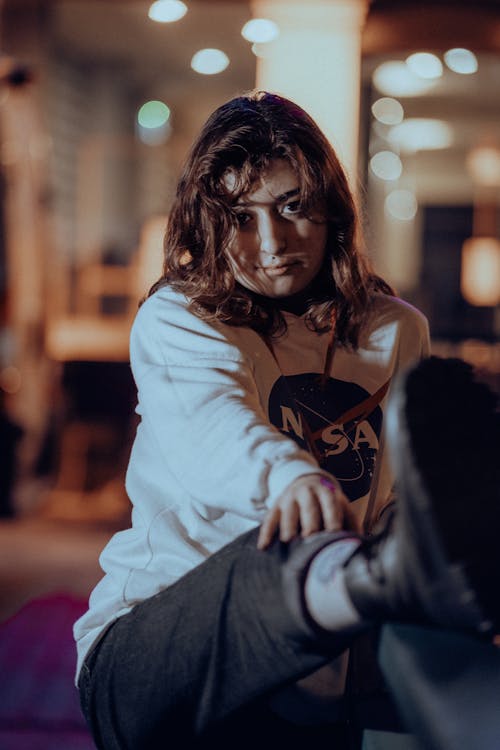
(316, 62)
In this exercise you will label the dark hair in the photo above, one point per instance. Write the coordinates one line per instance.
(243, 136)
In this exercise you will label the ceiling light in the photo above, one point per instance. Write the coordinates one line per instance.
(388, 111)
(167, 11)
(401, 205)
(260, 30)
(153, 114)
(396, 79)
(263, 49)
(461, 61)
(425, 65)
(386, 165)
(421, 134)
(208, 62)
(153, 123)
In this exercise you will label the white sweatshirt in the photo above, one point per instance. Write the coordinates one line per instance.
(221, 435)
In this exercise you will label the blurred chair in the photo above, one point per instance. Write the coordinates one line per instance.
(91, 334)
(95, 394)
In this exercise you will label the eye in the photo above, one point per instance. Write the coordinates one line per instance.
(242, 217)
(293, 207)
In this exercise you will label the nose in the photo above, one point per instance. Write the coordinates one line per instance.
(272, 234)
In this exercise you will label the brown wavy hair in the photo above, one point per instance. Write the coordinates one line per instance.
(243, 136)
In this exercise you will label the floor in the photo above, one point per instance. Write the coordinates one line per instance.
(48, 566)
(42, 555)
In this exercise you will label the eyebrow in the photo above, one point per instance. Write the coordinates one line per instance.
(280, 198)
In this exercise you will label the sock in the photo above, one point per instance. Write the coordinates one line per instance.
(326, 596)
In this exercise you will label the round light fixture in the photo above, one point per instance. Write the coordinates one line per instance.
(401, 205)
(153, 123)
(386, 165)
(153, 114)
(480, 271)
(167, 11)
(388, 111)
(395, 78)
(261, 30)
(425, 65)
(209, 61)
(461, 60)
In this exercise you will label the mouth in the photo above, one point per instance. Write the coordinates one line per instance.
(279, 268)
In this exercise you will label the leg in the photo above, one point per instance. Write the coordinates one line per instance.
(439, 561)
(187, 659)
(246, 623)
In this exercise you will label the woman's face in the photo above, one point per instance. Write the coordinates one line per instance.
(277, 250)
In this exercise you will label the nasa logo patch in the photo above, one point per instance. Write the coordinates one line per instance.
(343, 419)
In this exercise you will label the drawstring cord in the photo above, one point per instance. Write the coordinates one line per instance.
(330, 349)
(309, 437)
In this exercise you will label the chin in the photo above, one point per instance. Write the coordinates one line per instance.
(280, 294)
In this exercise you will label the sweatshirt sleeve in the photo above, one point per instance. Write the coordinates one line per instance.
(198, 397)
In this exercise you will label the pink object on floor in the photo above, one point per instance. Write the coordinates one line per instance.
(39, 706)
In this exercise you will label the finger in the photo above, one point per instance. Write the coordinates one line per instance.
(269, 527)
(332, 501)
(289, 522)
(311, 518)
(332, 510)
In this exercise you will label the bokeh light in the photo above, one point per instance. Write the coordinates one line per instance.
(395, 78)
(421, 134)
(209, 61)
(386, 165)
(461, 60)
(401, 205)
(263, 49)
(480, 271)
(425, 65)
(388, 111)
(261, 30)
(153, 122)
(483, 164)
(153, 114)
(167, 11)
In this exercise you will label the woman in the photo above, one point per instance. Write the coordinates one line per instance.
(263, 358)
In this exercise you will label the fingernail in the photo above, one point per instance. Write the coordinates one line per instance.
(327, 483)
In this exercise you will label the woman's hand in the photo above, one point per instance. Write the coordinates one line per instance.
(311, 503)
